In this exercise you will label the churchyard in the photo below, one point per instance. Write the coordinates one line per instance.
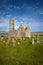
(21, 51)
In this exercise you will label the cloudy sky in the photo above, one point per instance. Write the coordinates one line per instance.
(26, 12)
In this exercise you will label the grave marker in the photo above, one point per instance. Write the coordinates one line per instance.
(14, 42)
(7, 44)
(32, 41)
(38, 41)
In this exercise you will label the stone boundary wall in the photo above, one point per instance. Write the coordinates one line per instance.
(37, 33)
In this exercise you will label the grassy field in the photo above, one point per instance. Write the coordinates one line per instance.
(23, 53)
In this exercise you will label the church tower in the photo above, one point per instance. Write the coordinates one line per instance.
(11, 25)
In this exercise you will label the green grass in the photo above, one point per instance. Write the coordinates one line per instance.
(23, 54)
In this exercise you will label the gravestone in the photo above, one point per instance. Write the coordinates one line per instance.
(1, 38)
(7, 44)
(32, 41)
(14, 42)
(38, 41)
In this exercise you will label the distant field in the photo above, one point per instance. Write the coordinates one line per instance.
(22, 53)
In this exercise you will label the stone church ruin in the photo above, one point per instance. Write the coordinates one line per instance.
(20, 32)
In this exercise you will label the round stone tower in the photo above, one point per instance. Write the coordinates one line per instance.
(11, 25)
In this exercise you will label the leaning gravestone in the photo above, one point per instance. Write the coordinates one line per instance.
(32, 41)
(14, 42)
